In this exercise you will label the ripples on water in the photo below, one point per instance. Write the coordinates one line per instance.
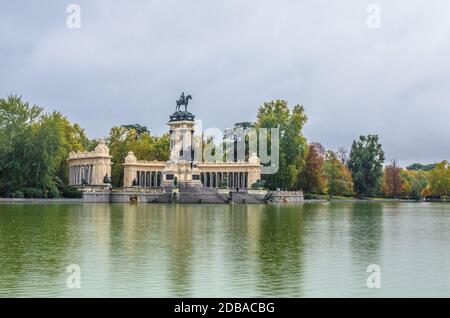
(225, 251)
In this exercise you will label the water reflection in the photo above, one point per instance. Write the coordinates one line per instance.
(281, 251)
(34, 240)
(366, 231)
(182, 223)
(165, 250)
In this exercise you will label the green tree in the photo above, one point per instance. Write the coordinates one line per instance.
(366, 164)
(34, 147)
(419, 166)
(414, 183)
(16, 120)
(48, 150)
(75, 140)
(121, 140)
(293, 145)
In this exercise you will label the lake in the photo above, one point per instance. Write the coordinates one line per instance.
(162, 250)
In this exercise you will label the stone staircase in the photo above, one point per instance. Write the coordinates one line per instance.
(242, 197)
(199, 195)
(205, 195)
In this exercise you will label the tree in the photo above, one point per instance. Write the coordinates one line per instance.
(75, 140)
(293, 145)
(342, 154)
(414, 183)
(320, 149)
(312, 179)
(392, 185)
(48, 150)
(419, 166)
(16, 131)
(232, 137)
(338, 177)
(121, 140)
(440, 179)
(366, 164)
(138, 128)
(34, 147)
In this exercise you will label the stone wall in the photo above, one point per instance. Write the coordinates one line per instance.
(287, 197)
(121, 197)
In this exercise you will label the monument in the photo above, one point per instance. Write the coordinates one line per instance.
(192, 177)
(181, 165)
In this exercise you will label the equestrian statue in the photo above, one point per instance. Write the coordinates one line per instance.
(183, 101)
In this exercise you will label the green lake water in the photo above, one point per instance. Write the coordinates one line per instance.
(162, 250)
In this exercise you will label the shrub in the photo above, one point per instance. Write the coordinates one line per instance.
(311, 196)
(223, 185)
(17, 194)
(33, 193)
(258, 185)
(53, 193)
(70, 192)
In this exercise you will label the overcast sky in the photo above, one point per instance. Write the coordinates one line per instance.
(130, 60)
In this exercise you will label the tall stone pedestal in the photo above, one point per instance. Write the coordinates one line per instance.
(185, 174)
(181, 165)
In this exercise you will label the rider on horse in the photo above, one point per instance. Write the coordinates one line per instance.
(183, 101)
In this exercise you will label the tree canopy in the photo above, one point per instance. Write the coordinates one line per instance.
(338, 177)
(366, 164)
(293, 145)
(121, 140)
(34, 146)
(312, 179)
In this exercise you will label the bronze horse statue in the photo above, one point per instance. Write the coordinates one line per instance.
(183, 101)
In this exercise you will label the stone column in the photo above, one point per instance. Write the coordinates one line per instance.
(238, 185)
(192, 145)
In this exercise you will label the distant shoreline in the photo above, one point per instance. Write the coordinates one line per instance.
(27, 200)
(349, 200)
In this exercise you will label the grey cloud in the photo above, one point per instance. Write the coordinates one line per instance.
(130, 60)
